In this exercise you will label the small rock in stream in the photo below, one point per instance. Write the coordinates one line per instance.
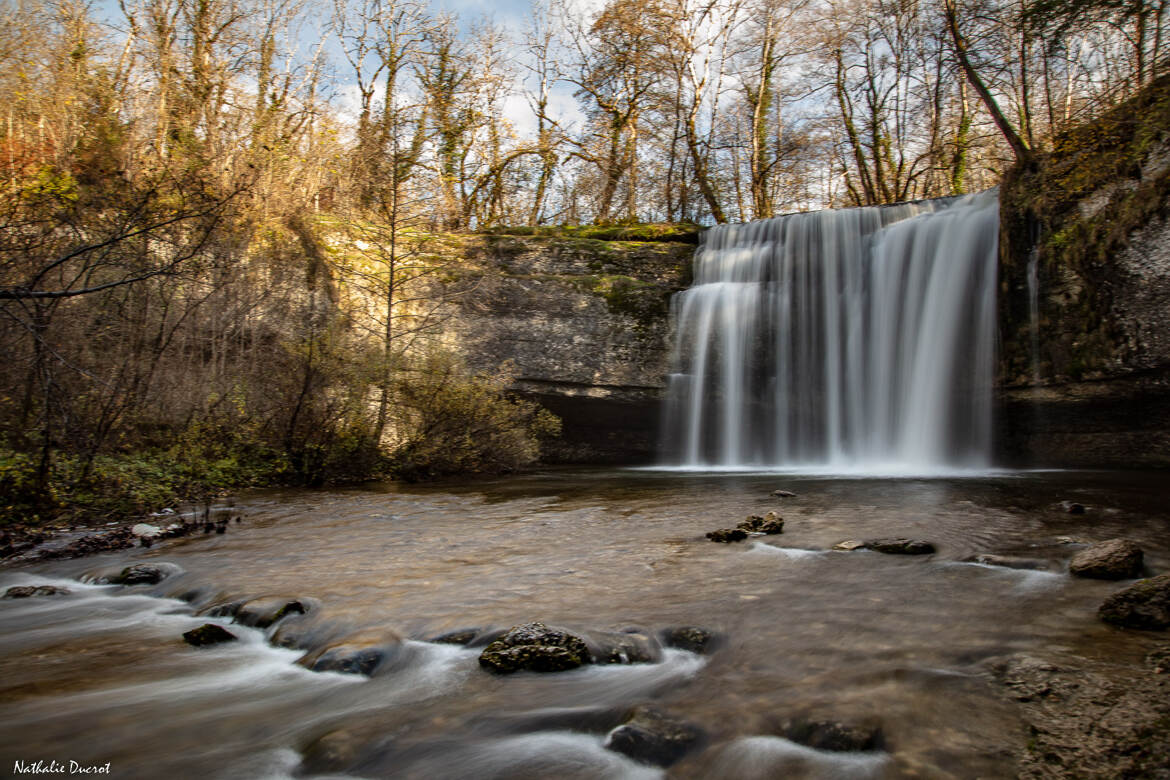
(264, 611)
(208, 634)
(1007, 562)
(1072, 507)
(889, 546)
(1115, 559)
(145, 574)
(834, 735)
(770, 523)
(1144, 604)
(690, 638)
(727, 535)
(30, 591)
(534, 647)
(352, 657)
(652, 737)
(623, 647)
(783, 494)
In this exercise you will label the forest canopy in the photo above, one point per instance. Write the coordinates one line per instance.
(217, 265)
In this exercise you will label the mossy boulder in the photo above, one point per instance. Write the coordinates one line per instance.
(1144, 604)
(727, 535)
(535, 647)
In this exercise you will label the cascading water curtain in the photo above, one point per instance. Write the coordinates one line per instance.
(859, 339)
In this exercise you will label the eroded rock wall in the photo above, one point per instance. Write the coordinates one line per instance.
(583, 326)
(1085, 358)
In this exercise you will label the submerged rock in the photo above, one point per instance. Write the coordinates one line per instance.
(654, 738)
(351, 657)
(1115, 559)
(834, 735)
(1144, 604)
(900, 546)
(783, 494)
(1007, 562)
(264, 611)
(462, 636)
(727, 535)
(145, 574)
(1072, 507)
(690, 638)
(29, 591)
(623, 647)
(208, 634)
(770, 523)
(534, 647)
(888, 546)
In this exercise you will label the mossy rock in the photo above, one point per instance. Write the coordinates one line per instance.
(534, 647)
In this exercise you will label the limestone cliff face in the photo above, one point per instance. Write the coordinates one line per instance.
(1085, 294)
(583, 326)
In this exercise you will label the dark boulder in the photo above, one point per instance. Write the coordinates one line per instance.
(727, 535)
(208, 634)
(651, 737)
(1115, 559)
(900, 546)
(1144, 604)
(690, 638)
(1072, 507)
(534, 647)
(264, 611)
(145, 574)
(29, 591)
(834, 735)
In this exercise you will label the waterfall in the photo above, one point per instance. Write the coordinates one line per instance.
(855, 340)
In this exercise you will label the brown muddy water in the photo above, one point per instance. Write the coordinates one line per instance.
(102, 676)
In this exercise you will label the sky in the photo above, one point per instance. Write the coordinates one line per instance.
(509, 14)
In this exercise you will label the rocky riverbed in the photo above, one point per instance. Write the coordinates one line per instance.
(582, 624)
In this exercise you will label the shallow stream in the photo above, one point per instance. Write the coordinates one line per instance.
(904, 642)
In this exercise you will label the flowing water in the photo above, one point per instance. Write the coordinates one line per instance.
(859, 339)
(101, 675)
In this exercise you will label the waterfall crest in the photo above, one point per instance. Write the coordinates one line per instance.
(855, 340)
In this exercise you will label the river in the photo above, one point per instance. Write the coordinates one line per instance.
(101, 676)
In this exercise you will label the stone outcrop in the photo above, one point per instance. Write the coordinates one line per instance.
(583, 325)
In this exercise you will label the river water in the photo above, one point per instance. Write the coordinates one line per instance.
(102, 676)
